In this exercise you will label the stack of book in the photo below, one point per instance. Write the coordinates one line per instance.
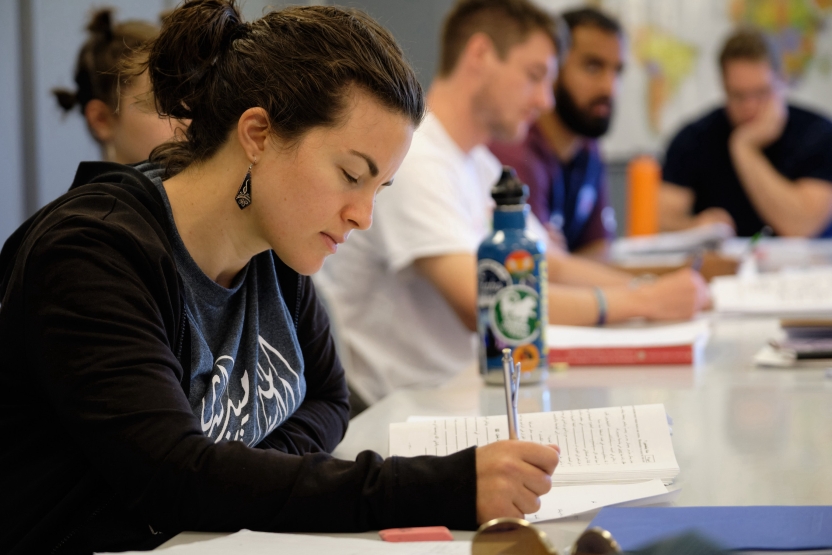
(653, 345)
(805, 340)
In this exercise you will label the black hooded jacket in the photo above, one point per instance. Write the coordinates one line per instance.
(101, 450)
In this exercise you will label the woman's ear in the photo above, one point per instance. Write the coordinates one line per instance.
(253, 131)
(100, 119)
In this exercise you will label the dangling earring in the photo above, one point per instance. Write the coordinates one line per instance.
(243, 197)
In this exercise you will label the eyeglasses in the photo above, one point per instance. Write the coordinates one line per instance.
(757, 95)
(514, 536)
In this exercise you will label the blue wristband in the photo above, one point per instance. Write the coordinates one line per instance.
(602, 306)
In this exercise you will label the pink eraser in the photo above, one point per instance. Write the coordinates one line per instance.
(422, 534)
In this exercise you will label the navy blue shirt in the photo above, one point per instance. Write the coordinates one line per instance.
(247, 370)
(698, 158)
(571, 196)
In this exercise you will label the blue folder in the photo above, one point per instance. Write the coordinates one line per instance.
(778, 528)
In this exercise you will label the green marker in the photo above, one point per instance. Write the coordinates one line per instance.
(766, 231)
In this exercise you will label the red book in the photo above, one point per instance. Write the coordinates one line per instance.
(643, 346)
(603, 356)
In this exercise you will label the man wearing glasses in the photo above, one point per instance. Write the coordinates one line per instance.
(757, 161)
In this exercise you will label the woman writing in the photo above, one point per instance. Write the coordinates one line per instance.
(168, 366)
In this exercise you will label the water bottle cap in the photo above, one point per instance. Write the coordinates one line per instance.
(509, 189)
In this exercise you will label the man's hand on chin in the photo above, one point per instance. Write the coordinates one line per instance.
(765, 128)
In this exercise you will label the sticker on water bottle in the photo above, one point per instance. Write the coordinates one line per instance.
(513, 315)
(491, 277)
(528, 356)
(520, 263)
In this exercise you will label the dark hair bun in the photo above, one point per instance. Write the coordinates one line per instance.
(193, 38)
(101, 24)
(98, 69)
(66, 99)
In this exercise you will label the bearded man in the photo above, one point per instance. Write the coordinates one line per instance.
(559, 159)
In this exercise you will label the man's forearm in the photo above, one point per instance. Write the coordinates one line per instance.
(789, 208)
(675, 296)
(675, 204)
(574, 270)
(676, 222)
(597, 250)
(578, 306)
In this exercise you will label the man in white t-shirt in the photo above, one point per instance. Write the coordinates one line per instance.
(403, 293)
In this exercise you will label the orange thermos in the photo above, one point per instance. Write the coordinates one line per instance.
(644, 177)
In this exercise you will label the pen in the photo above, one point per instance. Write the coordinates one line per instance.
(698, 258)
(765, 231)
(748, 266)
(510, 376)
(517, 370)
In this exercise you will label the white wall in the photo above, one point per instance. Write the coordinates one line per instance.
(416, 25)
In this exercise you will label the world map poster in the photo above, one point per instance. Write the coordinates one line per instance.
(672, 76)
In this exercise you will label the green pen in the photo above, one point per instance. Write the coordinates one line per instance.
(766, 231)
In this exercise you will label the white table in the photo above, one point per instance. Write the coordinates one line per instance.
(742, 435)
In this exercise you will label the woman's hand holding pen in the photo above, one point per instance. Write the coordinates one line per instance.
(511, 477)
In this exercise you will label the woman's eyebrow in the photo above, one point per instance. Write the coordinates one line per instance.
(370, 162)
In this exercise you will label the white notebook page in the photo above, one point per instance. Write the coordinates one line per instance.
(807, 291)
(591, 441)
(571, 337)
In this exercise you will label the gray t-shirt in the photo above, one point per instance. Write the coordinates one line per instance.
(246, 364)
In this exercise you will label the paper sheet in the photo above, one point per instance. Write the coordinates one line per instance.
(687, 333)
(247, 542)
(602, 444)
(807, 291)
(563, 501)
(685, 241)
(770, 357)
